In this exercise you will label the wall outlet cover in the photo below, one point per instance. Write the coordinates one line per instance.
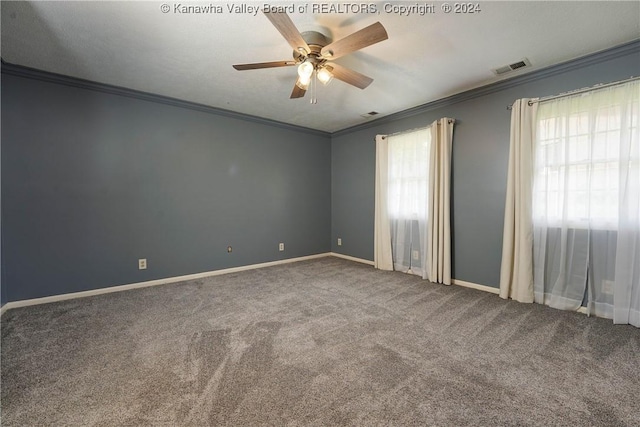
(142, 264)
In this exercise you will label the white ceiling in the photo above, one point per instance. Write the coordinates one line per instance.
(189, 57)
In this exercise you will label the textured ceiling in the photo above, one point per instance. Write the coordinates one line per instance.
(189, 56)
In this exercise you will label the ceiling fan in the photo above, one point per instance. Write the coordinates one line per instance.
(313, 53)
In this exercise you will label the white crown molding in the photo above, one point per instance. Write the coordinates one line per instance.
(574, 64)
(594, 58)
(46, 76)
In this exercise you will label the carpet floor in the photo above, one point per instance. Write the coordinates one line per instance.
(326, 342)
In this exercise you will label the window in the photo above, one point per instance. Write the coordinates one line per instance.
(409, 175)
(578, 153)
(586, 202)
(412, 228)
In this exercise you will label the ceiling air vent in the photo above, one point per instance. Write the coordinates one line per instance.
(512, 67)
(369, 114)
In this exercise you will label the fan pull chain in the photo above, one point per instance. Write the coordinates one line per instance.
(314, 84)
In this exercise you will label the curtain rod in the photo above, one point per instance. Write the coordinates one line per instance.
(412, 130)
(578, 91)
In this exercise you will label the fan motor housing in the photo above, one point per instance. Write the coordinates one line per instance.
(316, 42)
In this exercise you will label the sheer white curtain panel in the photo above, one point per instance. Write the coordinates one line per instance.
(408, 199)
(586, 207)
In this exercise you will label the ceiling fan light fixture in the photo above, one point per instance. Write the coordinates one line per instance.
(312, 52)
(305, 70)
(324, 76)
(302, 83)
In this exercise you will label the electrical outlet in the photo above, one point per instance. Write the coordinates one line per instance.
(607, 287)
(339, 241)
(142, 264)
(415, 255)
(229, 249)
(281, 247)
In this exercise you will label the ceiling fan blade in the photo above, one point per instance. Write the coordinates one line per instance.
(350, 76)
(297, 92)
(285, 25)
(258, 65)
(367, 36)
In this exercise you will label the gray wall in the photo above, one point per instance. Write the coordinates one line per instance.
(480, 156)
(92, 181)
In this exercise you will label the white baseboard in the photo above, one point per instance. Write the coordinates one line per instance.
(120, 288)
(457, 282)
(485, 288)
(350, 258)
(496, 291)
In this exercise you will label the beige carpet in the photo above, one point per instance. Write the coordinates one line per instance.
(317, 343)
